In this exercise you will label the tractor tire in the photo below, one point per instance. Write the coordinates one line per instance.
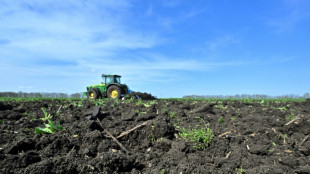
(92, 94)
(114, 92)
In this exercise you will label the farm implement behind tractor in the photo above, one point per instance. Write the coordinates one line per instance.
(111, 87)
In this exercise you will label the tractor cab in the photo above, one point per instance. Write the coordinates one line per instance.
(111, 79)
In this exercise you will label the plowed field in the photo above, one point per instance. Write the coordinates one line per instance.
(156, 136)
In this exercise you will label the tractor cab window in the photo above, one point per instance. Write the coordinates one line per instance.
(108, 80)
(117, 80)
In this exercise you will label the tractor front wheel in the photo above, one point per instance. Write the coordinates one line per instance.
(92, 94)
(114, 92)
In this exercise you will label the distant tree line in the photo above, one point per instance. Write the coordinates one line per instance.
(252, 96)
(80, 95)
(40, 95)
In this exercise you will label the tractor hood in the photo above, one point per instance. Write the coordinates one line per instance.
(100, 85)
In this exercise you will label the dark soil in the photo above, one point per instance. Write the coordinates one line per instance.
(140, 95)
(249, 137)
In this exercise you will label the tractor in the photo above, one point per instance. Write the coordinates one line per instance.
(111, 87)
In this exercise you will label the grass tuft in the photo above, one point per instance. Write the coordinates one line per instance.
(200, 137)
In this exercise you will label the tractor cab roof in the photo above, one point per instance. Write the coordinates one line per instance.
(112, 75)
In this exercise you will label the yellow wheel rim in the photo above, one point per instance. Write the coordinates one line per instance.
(91, 95)
(114, 93)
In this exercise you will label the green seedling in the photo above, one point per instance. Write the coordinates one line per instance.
(273, 148)
(160, 139)
(127, 101)
(1, 121)
(77, 103)
(49, 128)
(27, 129)
(239, 170)
(220, 120)
(164, 111)
(290, 117)
(200, 137)
(283, 108)
(172, 114)
(100, 102)
(47, 116)
(233, 118)
(262, 102)
(139, 102)
(222, 107)
(140, 112)
(153, 102)
(152, 138)
(284, 138)
(270, 150)
(149, 104)
(25, 114)
(115, 102)
(33, 119)
(163, 171)
(153, 127)
(177, 124)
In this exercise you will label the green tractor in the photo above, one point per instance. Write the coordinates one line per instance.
(111, 87)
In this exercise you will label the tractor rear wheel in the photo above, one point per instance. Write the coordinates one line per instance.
(92, 94)
(114, 92)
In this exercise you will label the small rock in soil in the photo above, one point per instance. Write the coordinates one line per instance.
(164, 145)
(94, 113)
(22, 145)
(29, 158)
(259, 149)
(305, 150)
(5, 106)
(93, 125)
(205, 108)
(145, 117)
(86, 151)
(288, 161)
(303, 170)
(129, 115)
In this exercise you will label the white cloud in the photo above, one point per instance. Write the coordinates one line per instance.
(95, 37)
(71, 30)
(25, 87)
(149, 11)
(171, 3)
(291, 15)
(222, 42)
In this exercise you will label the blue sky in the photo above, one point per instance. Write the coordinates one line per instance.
(167, 48)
